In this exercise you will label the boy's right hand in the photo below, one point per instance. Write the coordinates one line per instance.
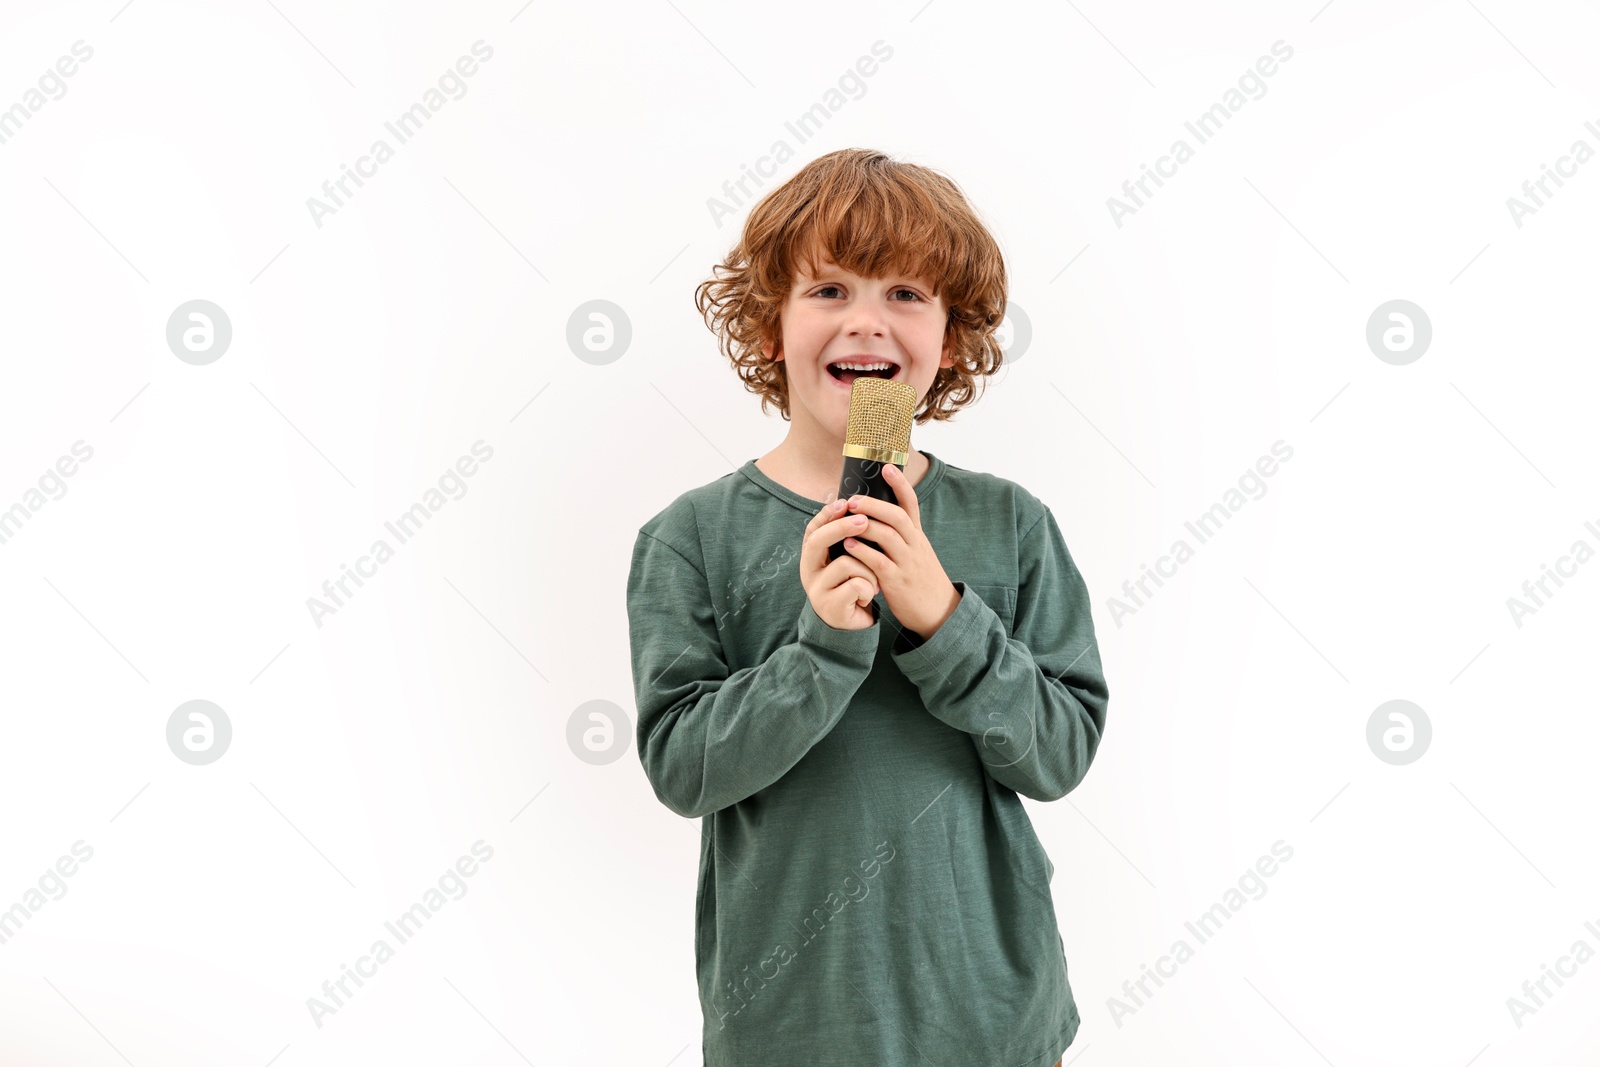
(840, 591)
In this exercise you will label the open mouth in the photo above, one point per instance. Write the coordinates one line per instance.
(845, 373)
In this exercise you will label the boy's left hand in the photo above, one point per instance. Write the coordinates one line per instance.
(909, 574)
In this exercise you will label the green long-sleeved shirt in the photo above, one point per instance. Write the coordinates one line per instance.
(871, 889)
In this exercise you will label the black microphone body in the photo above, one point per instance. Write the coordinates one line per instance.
(862, 477)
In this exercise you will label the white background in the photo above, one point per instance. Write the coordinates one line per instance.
(430, 311)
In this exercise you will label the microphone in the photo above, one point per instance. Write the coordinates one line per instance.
(879, 432)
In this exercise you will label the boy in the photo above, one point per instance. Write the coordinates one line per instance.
(854, 734)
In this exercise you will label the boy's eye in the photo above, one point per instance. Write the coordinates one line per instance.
(826, 289)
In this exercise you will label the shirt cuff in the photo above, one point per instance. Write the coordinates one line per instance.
(912, 653)
(859, 644)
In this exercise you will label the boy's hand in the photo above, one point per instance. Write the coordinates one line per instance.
(913, 581)
(840, 591)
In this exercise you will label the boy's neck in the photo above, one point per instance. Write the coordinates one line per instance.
(812, 469)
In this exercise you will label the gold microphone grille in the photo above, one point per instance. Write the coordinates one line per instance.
(880, 414)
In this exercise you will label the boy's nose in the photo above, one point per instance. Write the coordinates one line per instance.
(865, 322)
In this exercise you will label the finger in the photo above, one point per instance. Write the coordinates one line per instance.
(903, 492)
(881, 510)
(880, 563)
(830, 510)
(856, 591)
(814, 546)
(846, 568)
(858, 587)
(886, 537)
(831, 533)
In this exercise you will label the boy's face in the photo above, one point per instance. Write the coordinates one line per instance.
(836, 315)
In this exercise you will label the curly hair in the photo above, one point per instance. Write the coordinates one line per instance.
(873, 216)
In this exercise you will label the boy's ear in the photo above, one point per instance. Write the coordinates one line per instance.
(767, 348)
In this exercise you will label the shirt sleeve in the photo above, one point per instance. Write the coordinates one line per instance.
(1035, 703)
(709, 738)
